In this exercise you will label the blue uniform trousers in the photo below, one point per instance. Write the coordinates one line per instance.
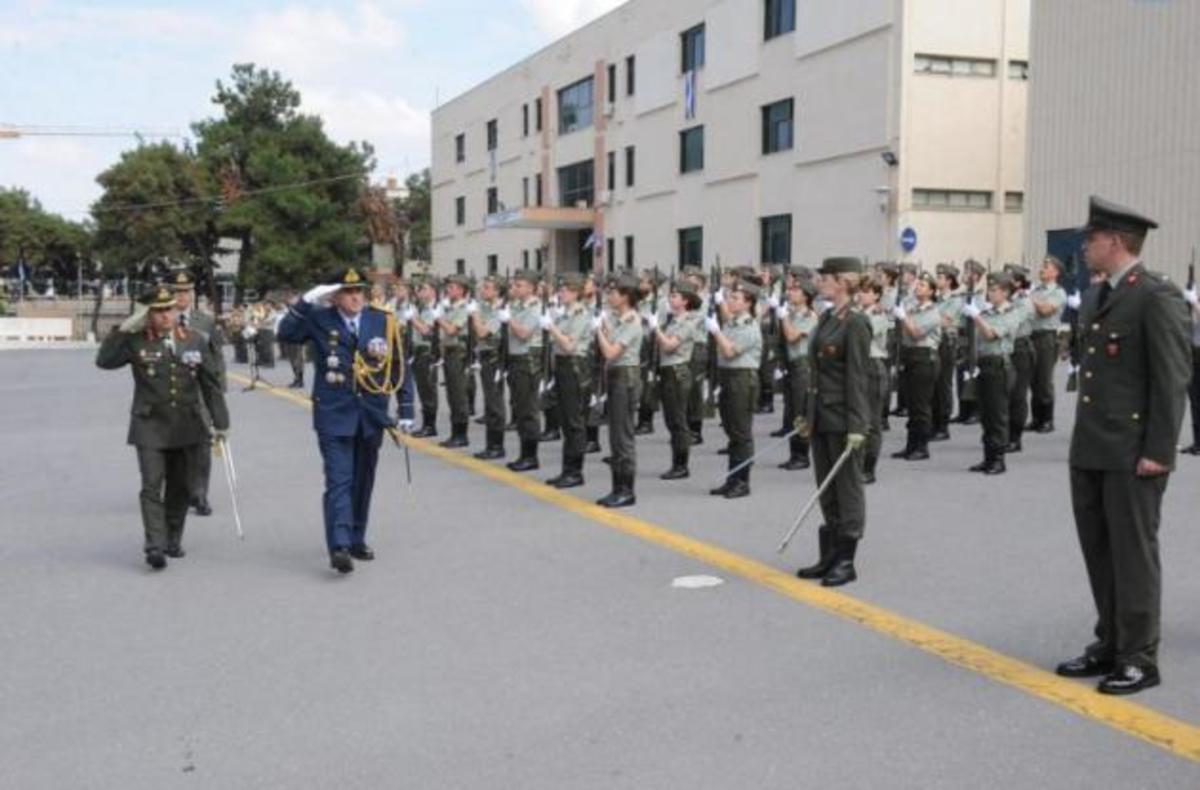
(349, 479)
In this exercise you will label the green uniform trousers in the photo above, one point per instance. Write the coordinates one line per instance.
(877, 397)
(1045, 357)
(696, 403)
(943, 392)
(455, 365)
(843, 505)
(165, 494)
(572, 382)
(624, 395)
(675, 385)
(524, 379)
(425, 374)
(795, 401)
(1018, 396)
(739, 398)
(992, 388)
(491, 382)
(919, 377)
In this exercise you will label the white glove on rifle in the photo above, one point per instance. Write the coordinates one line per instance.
(899, 313)
(437, 312)
(472, 307)
(773, 302)
(321, 294)
(782, 312)
(597, 323)
(712, 325)
(408, 314)
(503, 315)
(652, 322)
(545, 322)
(971, 311)
(719, 298)
(1191, 296)
(137, 321)
(1074, 301)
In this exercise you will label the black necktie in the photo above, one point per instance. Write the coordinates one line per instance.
(1106, 290)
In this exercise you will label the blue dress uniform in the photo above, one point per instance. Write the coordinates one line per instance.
(349, 421)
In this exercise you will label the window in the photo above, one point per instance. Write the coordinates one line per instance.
(575, 107)
(691, 247)
(777, 239)
(691, 150)
(460, 266)
(780, 18)
(628, 253)
(525, 191)
(777, 126)
(630, 75)
(955, 67)
(539, 259)
(524, 120)
(629, 158)
(537, 197)
(493, 264)
(611, 184)
(612, 83)
(952, 200)
(537, 115)
(524, 259)
(460, 211)
(693, 48)
(1018, 70)
(460, 148)
(611, 252)
(493, 135)
(576, 184)
(493, 200)
(1014, 202)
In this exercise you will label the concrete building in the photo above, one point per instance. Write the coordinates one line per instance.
(672, 132)
(1115, 111)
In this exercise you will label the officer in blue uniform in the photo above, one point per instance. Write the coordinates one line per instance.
(353, 345)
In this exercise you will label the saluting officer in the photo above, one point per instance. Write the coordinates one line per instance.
(452, 325)
(1048, 300)
(1134, 376)
(797, 320)
(739, 351)
(175, 376)
(570, 329)
(995, 330)
(950, 303)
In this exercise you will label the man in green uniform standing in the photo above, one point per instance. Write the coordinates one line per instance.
(1048, 300)
(452, 329)
(570, 331)
(485, 323)
(523, 316)
(425, 370)
(175, 375)
(1135, 366)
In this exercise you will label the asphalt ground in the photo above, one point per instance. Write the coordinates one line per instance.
(507, 640)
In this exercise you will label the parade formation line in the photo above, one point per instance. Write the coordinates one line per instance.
(1172, 735)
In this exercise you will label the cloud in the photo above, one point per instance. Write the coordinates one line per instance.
(398, 130)
(559, 17)
(307, 40)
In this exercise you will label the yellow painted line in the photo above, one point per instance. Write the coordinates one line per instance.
(1172, 735)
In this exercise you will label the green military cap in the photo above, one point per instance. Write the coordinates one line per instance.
(1016, 270)
(654, 275)
(1002, 281)
(928, 279)
(571, 280)
(801, 272)
(745, 273)
(888, 268)
(692, 271)
(843, 265)
(1056, 262)
(157, 297)
(526, 276)
(947, 270)
(1106, 215)
(624, 281)
(684, 287)
(910, 268)
(460, 280)
(747, 287)
(182, 281)
(972, 266)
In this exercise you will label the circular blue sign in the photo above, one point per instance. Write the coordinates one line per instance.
(908, 239)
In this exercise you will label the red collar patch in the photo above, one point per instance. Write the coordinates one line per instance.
(1132, 279)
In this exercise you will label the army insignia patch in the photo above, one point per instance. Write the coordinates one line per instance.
(192, 358)
(352, 277)
(1112, 349)
(830, 351)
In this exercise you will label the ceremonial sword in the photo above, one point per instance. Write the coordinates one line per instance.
(837, 467)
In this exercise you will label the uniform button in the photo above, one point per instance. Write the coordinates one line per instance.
(1091, 349)
(1095, 327)
(1137, 416)
(1088, 375)
(1087, 398)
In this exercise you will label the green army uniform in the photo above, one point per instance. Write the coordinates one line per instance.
(491, 381)
(1045, 353)
(1022, 361)
(768, 325)
(877, 390)
(524, 378)
(624, 397)
(919, 371)
(176, 379)
(454, 365)
(798, 380)
(950, 306)
(699, 365)
(425, 370)
(572, 380)
(738, 378)
(675, 383)
(651, 397)
(994, 384)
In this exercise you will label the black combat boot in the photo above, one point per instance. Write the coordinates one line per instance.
(458, 437)
(1013, 446)
(910, 445)
(985, 463)
(156, 559)
(696, 429)
(645, 423)
(920, 451)
(996, 466)
(741, 485)
(428, 426)
(728, 483)
(552, 433)
(868, 472)
(825, 560)
(201, 507)
(528, 460)
(494, 449)
(622, 492)
(798, 455)
(679, 467)
(842, 571)
(572, 474)
(593, 440)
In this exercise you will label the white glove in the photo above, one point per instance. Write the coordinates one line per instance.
(137, 321)
(249, 332)
(773, 302)
(1191, 296)
(719, 298)
(652, 322)
(472, 307)
(712, 325)
(971, 311)
(558, 312)
(597, 323)
(1074, 301)
(503, 315)
(444, 304)
(899, 313)
(320, 295)
(545, 322)
(782, 312)
(408, 314)
(406, 426)
(437, 312)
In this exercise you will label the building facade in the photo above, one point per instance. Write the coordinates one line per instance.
(1115, 112)
(742, 131)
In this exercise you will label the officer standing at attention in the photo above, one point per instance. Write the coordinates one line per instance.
(995, 329)
(203, 324)
(869, 299)
(424, 321)
(571, 333)
(837, 416)
(452, 323)
(739, 349)
(922, 334)
(349, 338)
(523, 316)
(797, 320)
(620, 340)
(1048, 300)
(175, 375)
(676, 339)
(1135, 367)
(950, 302)
(1022, 357)
(485, 323)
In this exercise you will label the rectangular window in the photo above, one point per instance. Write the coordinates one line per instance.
(525, 191)
(460, 211)
(537, 115)
(777, 126)
(954, 67)
(524, 259)
(537, 196)
(952, 200)
(691, 247)
(780, 18)
(628, 253)
(524, 120)
(493, 135)
(693, 48)
(539, 259)
(460, 148)
(493, 264)
(1018, 70)
(691, 150)
(612, 83)
(611, 184)
(630, 75)
(575, 107)
(460, 266)
(1014, 202)
(629, 160)
(777, 239)
(576, 184)
(611, 252)
(493, 200)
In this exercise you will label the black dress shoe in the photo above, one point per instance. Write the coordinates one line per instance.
(566, 480)
(1012, 447)
(795, 464)
(675, 473)
(340, 561)
(156, 559)
(455, 442)
(480, 421)
(426, 432)
(175, 552)
(1193, 450)
(617, 499)
(1047, 427)
(901, 455)
(721, 490)
(592, 447)
(723, 451)
(738, 490)
(490, 454)
(552, 435)
(1129, 679)
(524, 465)
(363, 552)
(696, 438)
(643, 429)
(996, 467)
(201, 507)
(868, 478)
(919, 454)
(981, 466)
(1086, 666)
(940, 436)
(782, 432)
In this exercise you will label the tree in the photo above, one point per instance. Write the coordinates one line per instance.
(291, 194)
(50, 246)
(414, 207)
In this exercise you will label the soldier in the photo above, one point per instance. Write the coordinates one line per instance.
(950, 302)
(840, 355)
(1194, 390)
(570, 330)
(523, 317)
(1048, 300)
(974, 275)
(922, 330)
(739, 352)
(869, 299)
(452, 328)
(676, 339)
(203, 324)
(995, 331)
(1022, 358)
(350, 339)
(699, 281)
(485, 323)
(175, 376)
(797, 320)
(768, 279)
(425, 369)
(401, 307)
(593, 295)
(620, 340)
(1135, 369)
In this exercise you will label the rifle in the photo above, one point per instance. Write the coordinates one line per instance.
(472, 341)
(899, 332)
(547, 355)
(600, 398)
(714, 386)
(502, 365)
(969, 392)
(655, 356)
(1073, 338)
(435, 340)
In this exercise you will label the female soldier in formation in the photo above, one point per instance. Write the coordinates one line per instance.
(922, 333)
(620, 342)
(870, 296)
(797, 320)
(571, 333)
(996, 328)
(739, 349)
(675, 342)
(1022, 356)
(950, 302)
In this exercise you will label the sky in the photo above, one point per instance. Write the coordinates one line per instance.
(372, 69)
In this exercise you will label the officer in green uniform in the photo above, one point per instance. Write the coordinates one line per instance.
(651, 282)
(676, 340)
(425, 369)
(485, 323)
(869, 299)
(699, 281)
(1047, 300)
(739, 353)
(840, 355)
(797, 320)
(1193, 300)
(619, 337)
(570, 330)
(974, 284)
(523, 317)
(1132, 391)
(950, 302)
(593, 297)
(919, 341)
(175, 377)
(995, 330)
(1022, 358)
(452, 328)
